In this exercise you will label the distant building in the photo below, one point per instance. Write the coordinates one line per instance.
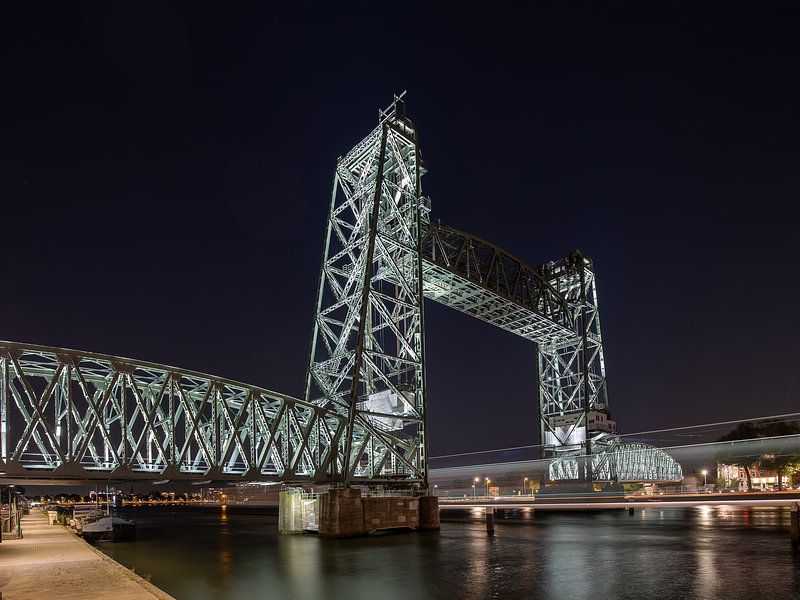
(735, 477)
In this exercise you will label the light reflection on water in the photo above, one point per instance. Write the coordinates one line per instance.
(704, 552)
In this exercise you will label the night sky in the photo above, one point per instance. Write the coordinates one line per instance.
(165, 175)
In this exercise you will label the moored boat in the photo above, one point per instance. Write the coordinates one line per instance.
(109, 528)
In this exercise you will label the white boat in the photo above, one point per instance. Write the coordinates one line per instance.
(83, 513)
(109, 528)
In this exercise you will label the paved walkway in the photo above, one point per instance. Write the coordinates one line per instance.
(51, 562)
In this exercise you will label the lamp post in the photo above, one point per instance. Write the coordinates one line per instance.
(474, 485)
(705, 480)
(525, 486)
(488, 481)
(474, 494)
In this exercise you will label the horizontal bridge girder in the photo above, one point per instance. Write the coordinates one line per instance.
(478, 278)
(71, 415)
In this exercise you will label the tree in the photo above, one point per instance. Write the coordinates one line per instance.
(748, 456)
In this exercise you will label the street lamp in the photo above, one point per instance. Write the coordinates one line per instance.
(435, 487)
(525, 486)
(488, 481)
(705, 481)
(474, 495)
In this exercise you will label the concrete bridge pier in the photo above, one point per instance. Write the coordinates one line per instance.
(345, 512)
(489, 520)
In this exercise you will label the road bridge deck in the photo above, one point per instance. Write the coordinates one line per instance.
(618, 502)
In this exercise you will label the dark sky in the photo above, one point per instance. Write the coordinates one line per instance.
(165, 174)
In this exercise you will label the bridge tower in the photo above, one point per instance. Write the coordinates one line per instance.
(573, 396)
(367, 350)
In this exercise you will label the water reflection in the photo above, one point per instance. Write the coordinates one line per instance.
(660, 553)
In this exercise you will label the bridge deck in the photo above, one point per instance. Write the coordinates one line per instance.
(619, 502)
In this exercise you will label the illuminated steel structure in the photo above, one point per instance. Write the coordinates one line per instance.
(367, 353)
(621, 462)
(382, 256)
(75, 415)
(70, 414)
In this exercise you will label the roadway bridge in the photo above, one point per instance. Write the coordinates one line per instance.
(73, 415)
(627, 502)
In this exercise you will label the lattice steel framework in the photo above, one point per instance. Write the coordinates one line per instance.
(382, 255)
(363, 416)
(622, 462)
(478, 278)
(367, 354)
(555, 306)
(571, 371)
(74, 415)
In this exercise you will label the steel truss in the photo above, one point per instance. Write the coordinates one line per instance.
(74, 415)
(382, 256)
(622, 462)
(477, 278)
(363, 416)
(367, 354)
(571, 371)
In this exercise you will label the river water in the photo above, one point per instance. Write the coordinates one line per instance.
(682, 553)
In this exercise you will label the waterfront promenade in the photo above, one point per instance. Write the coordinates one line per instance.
(51, 562)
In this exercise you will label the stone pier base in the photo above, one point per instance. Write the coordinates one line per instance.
(346, 513)
(341, 513)
(429, 512)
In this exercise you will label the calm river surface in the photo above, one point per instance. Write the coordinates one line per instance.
(679, 553)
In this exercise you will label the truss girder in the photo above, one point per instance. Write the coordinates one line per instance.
(363, 414)
(478, 278)
(571, 371)
(624, 462)
(74, 415)
(367, 344)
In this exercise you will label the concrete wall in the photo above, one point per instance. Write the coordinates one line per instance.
(386, 512)
(345, 513)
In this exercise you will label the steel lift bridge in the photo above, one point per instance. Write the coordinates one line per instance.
(71, 415)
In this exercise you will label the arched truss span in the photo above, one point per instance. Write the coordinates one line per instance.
(76, 415)
(624, 462)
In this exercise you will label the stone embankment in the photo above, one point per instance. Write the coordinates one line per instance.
(51, 562)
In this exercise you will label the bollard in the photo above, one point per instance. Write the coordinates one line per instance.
(794, 524)
(489, 520)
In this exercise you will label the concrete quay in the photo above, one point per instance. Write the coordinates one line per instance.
(51, 562)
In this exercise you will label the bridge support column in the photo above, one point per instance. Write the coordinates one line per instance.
(341, 513)
(794, 524)
(429, 512)
(489, 520)
(291, 517)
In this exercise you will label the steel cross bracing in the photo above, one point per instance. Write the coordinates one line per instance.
(466, 273)
(621, 462)
(571, 371)
(363, 417)
(382, 255)
(367, 354)
(75, 416)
